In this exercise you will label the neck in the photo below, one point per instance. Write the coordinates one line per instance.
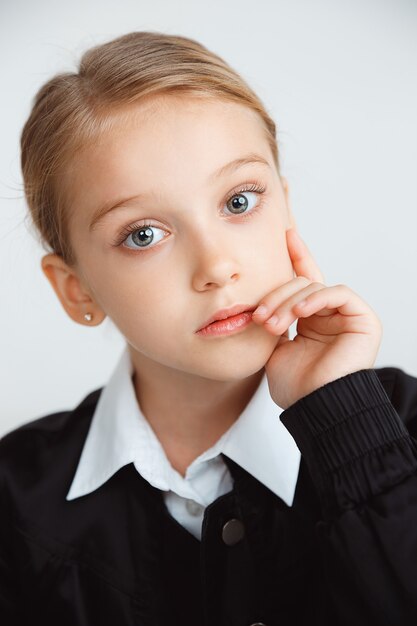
(192, 413)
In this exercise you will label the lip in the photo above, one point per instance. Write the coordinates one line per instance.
(223, 314)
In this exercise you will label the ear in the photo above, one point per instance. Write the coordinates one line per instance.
(70, 289)
(286, 190)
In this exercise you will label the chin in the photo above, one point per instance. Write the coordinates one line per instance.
(232, 367)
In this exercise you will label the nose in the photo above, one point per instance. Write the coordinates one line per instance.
(215, 264)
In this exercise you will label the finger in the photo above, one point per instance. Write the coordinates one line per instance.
(301, 258)
(337, 298)
(321, 301)
(273, 299)
(284, 315)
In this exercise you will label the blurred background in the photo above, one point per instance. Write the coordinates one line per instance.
(339, 77)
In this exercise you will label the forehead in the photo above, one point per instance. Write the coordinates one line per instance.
(187, 120)
(162, 141)
(172, 105)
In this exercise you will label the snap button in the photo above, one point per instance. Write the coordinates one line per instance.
(193, 507)
(233, 531)
(258, 624)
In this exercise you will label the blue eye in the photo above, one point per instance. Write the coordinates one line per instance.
(142, 236)
(237, 203)
(143, 233)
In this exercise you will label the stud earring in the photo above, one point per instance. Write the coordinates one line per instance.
(88, 317)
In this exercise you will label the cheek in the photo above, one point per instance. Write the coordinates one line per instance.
(286, 265)
(144, 307)
(273, 255)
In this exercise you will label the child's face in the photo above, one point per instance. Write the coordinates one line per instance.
(202, 256)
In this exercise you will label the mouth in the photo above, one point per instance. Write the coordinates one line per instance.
(227, 321)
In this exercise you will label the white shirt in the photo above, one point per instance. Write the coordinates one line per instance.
(120, 434)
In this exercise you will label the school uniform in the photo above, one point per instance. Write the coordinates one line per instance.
(120, 434)
(300, 516)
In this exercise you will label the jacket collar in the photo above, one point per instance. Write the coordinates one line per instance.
(119, 434)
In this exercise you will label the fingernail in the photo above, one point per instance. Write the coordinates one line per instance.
(272, 320)
(260, 310)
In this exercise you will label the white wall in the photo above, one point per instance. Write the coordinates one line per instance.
(339, 78)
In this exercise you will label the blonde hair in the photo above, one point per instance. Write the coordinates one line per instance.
(72, 109)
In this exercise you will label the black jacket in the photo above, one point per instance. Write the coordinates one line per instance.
(344, 553)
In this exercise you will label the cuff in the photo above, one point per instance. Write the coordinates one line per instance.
(353, 440)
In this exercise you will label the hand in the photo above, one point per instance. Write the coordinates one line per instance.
(337, 332)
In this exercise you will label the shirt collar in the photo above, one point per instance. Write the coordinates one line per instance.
(120, 434)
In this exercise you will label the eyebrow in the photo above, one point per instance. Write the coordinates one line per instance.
(222, 171)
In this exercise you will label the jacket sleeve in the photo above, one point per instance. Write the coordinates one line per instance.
(363, 462)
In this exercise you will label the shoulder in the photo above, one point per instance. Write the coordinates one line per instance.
(401, 389)
(30, 452)
(50, 425)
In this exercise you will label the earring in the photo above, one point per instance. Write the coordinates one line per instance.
(88, 317)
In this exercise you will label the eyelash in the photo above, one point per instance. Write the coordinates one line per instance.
(254, 187)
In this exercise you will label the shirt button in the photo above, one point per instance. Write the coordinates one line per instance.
(193, 507)
(233, 531)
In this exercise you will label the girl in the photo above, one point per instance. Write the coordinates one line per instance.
(225, 474)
